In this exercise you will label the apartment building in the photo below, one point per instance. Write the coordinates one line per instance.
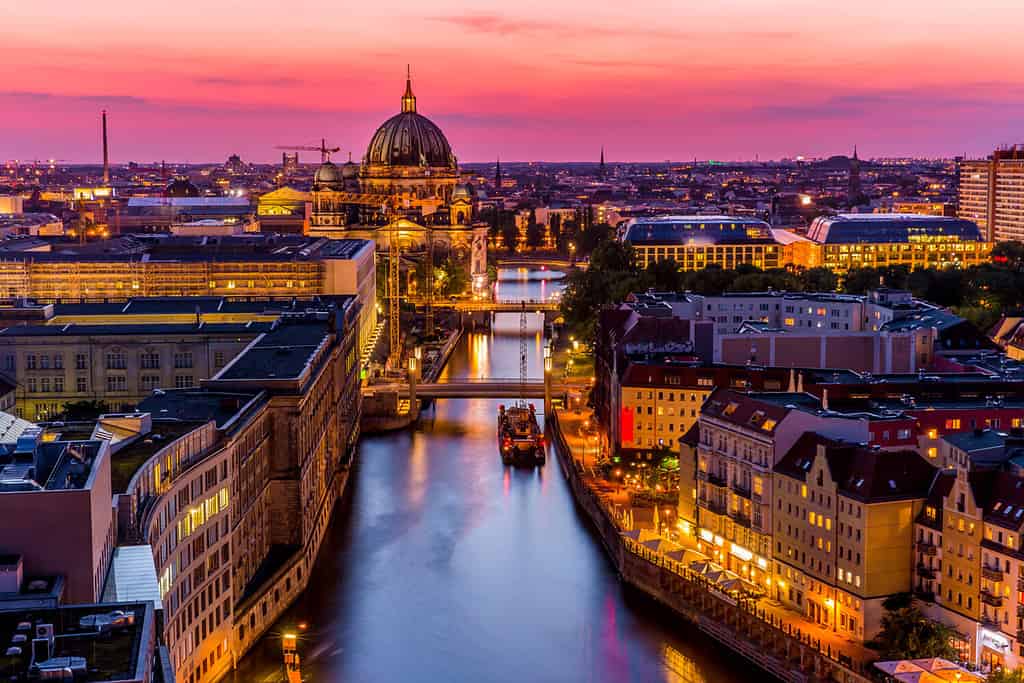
(235, 508)
(992, 194)
(656, 403)
(843, 530)
(967, 546)
(742, 438)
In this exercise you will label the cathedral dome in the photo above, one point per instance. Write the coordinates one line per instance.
(409, 139)
(349, 169)
(327, 175)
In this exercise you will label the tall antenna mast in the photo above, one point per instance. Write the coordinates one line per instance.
(106, 157)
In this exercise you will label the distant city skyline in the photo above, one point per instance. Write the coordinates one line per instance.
(552, 82)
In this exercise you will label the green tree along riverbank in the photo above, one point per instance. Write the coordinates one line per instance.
(981, 294)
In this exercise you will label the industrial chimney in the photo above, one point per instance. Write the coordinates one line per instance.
(106, 157)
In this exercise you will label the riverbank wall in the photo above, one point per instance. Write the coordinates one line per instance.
(741, 625)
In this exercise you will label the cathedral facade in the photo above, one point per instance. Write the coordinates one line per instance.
(407, 189)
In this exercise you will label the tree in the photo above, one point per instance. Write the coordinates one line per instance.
(593, 236)
(908, 634)
(555, 228)
(84, 411)
(611, 276)
(663, 275)
(1006, 676)
(819, 280)
(451, 277)
(1009, 254)
(509, 231)
(534, 232)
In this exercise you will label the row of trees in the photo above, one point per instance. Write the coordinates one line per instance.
(979, 293)
(579, 231)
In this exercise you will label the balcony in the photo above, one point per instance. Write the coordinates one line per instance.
(926, 548)
(925, 572)
(741, 490)
(989, 621)
(741, 519)
(716, 479)
(991, 573)
(715, 506)
(991, 599)
(1020, 610)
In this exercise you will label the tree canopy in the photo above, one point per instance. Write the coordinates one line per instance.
(907, 634)
(980, 294)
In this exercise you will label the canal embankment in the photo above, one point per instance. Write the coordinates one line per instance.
(766, 636)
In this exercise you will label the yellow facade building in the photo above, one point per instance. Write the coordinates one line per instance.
(844, 527)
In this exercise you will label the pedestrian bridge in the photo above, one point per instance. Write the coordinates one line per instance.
(470, 388)
(530, 306)
(484, 306)
(540, 261)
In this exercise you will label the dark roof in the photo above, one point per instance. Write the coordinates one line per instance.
(195, 405)
(409, 139)
(1006, 503)
(169, 305)
(697, 230)
(140, 329)
(867, 474)
(940, 489)
(692, 435)
(889, 227)
(743, 410)
(283, 353)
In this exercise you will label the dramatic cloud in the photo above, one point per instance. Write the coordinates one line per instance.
(551, 79)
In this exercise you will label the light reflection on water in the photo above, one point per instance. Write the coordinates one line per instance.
(443, 565)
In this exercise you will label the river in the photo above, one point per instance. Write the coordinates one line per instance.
(443, 565)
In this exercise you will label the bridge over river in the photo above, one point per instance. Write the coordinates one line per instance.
(442, 564)
(499, 387)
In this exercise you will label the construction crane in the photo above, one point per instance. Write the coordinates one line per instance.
(325, 151)
(523, 349)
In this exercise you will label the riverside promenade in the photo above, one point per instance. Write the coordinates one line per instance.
(773, 638)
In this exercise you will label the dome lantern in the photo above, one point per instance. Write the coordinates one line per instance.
(408, 99)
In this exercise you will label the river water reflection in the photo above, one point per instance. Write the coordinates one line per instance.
(443, 565)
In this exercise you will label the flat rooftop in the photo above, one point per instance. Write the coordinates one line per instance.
(194, 406)
(112, 656)
(135, 329)
(284, 353)
(178, 248)
(126, 462)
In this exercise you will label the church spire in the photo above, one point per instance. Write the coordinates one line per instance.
(601, 167)
(408, 99)
(497, 174)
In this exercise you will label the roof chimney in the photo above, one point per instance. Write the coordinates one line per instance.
(824, 399)
(106, 157)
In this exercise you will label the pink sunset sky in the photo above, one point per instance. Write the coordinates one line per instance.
(528, 80)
